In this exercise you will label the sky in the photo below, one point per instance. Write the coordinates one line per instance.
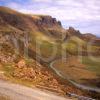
(84, 15)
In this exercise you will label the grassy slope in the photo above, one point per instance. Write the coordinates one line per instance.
(92, 65)
(73, 44)
(73, 69)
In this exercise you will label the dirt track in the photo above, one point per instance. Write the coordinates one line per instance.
(18, 92)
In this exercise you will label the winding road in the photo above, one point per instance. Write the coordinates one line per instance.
(59, 73)
(19, 92)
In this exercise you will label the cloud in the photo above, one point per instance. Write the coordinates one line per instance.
(66, 9)
(46, 1)
(69, 3)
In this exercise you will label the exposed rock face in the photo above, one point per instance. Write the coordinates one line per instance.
(72, 32)
(48, 21)
(27, 22)
(87, 37)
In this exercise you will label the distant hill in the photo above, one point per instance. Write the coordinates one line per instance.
(89, 36)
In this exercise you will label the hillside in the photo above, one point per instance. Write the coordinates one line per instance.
(31, 23)
(16, 30)
(42, 28)
(30, 43)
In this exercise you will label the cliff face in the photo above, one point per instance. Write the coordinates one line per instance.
(86, 37)
(48, 21)
(35, 24)
(28, 22)
(73, 32)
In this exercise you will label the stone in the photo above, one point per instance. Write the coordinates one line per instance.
(21, 63)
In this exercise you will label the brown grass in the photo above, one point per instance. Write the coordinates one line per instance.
(74, 70)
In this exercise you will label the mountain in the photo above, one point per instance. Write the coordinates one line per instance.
(73, 32)
(32, 23)
(29, 43)
(92, 38)
(89, 36)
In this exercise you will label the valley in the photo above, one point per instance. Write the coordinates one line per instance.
(80, 75)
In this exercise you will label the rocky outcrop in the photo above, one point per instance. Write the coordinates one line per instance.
(73, 32)
(35, 72)
(89, 36)
(27, 22)
(48, 21)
